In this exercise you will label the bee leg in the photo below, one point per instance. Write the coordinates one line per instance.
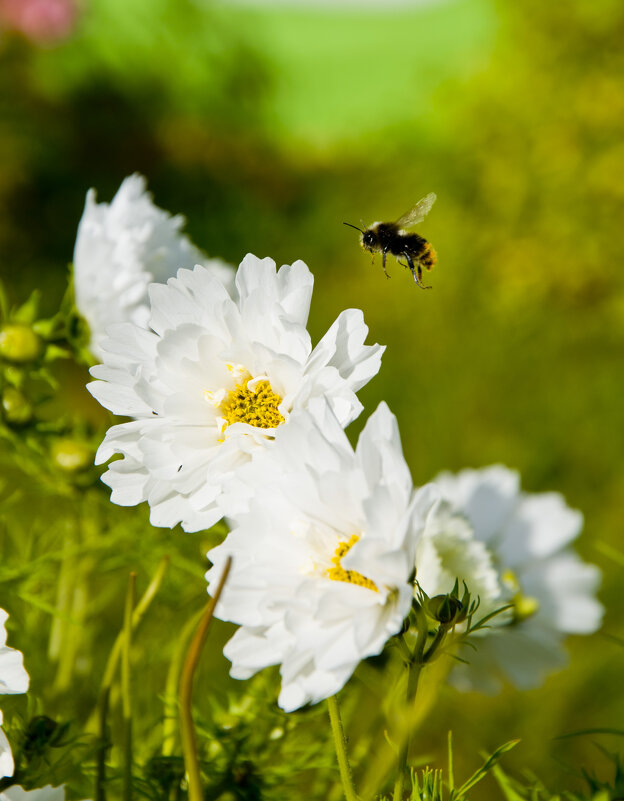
(422, 286)
(413, 269)
(383, 262)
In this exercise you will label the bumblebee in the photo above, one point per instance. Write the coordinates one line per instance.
(391, 237)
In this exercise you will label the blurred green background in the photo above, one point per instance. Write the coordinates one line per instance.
(267, 127)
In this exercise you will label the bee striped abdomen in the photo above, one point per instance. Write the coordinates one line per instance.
(429, 256)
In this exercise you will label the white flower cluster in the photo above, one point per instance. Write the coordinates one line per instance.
(13, 681)
(233, 413)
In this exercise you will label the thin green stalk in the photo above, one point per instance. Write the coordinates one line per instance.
(413, 676)
(414, 668)
(451, 774)
(404, 649)
(137, 615)
(187, 729)
(170, 701)
(60, 623)
(436, 643)
(67, 660)
(103, 746)
(341, 749)
(126, 698)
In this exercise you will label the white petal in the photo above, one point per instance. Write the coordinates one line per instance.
(541, 525)
(47, 793)
(486, 497)
(7, 766)
(120, 249)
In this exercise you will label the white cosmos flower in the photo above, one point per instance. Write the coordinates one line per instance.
(322, 559)
(13, 680)
(519, 553)
(47, 793)
(7, 766)
(120, 249)
(214, 379)
(448, 550)
(13, 677)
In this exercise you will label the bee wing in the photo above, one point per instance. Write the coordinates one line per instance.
(418, 213)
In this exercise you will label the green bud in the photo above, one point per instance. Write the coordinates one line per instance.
(19, 343)
(16, 407)
(71, 455)
(446, 609)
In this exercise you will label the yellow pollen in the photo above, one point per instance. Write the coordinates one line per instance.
(257, 407)
(338, 573)
(524, 606)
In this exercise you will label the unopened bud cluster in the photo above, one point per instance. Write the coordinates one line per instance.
(20, 344)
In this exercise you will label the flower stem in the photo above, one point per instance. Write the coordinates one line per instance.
(414, 668)
(170, 711)
(341, 749)
(102, 748)
(126, 697)
(187, 729)
(137, 615)
(436, 643)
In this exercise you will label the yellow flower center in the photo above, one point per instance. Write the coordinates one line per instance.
(524, 606)
(256, 405)
(338, 573)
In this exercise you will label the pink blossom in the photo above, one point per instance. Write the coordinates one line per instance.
(39, 20)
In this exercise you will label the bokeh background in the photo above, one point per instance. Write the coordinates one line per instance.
(267, 126)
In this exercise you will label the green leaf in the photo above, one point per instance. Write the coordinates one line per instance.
(481, 623)
(27, 312)
(54, 352)
(583, 732)
(505, 784)
(485, 768)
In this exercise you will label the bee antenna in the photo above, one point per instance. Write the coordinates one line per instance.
(354, 226)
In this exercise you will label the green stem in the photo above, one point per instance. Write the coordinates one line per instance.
(170, 710)
(341, 749)
(103, 746)
(436, 643)
(405, 649)
(451, 773)
(414, 669)
(413, 676)
(140, 609)
(126, 698)
(187, 729)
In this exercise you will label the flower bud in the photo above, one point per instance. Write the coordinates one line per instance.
(71, 455)
(16, 407)
(19, 343)
(446, 609)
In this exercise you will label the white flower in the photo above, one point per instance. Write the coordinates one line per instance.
(13, 677)
(123, 247)
(448, 550)
(322, 560)
(13, 680)
(47, 793)
(552, 590)
(209, 386)
(7, 766)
